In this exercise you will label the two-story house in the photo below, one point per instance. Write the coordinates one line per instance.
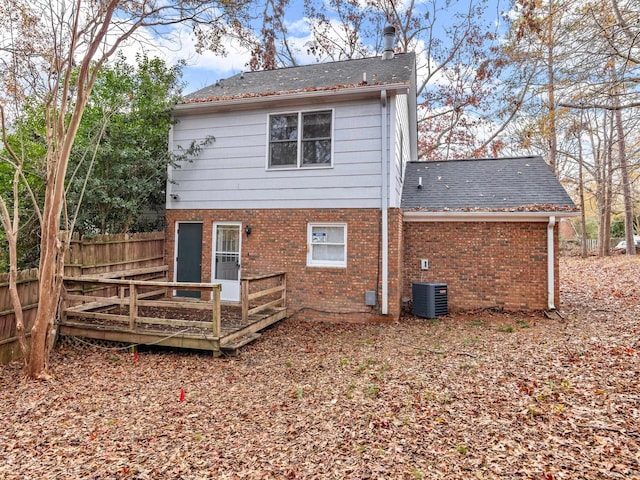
(306, 176)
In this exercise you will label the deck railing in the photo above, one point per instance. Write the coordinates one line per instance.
(271, 287)
(127, 309)
(136, 294)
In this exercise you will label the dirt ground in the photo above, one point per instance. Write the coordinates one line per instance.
(480, 395)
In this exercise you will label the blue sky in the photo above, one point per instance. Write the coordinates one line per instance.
(204, 69)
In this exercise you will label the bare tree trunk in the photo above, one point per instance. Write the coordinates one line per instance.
(15, 299)
(11, 227)
(49, 296)
(601, 189)
(583, 219)
(553, 136)
(12, 240)
(607, 190)
(626, 184)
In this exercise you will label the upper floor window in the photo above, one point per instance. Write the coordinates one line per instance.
(302, 139)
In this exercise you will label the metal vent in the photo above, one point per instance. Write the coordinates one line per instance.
(430, 300)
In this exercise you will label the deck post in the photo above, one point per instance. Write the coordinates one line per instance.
(284, 290)
(133, 305)
(215, 298)
(244, 299)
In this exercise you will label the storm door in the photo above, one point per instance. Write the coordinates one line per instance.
(226, 259)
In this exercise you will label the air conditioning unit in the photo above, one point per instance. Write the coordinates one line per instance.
(430, 300)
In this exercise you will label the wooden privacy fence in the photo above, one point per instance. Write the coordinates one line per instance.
(86, 256)
(108, 253)
(28, 287)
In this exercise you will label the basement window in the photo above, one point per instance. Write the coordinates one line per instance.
(300, 140)
(327, 245)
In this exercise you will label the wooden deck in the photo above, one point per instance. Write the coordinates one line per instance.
(119, 306)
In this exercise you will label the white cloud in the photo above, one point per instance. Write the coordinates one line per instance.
(178, 44)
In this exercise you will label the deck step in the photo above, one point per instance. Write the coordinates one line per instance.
(233, 346)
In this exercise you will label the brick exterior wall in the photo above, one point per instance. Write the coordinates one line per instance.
(484, 264)
(278, 242)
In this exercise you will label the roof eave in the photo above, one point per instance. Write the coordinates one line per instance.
(453, 216)
(294, 97)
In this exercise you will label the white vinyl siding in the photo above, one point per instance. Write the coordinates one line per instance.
(327, 245)
(400, 152)
(230, 172)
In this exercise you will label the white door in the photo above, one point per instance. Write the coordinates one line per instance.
(226, 259)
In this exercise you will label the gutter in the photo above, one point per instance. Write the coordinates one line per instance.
(478, 216)
(384, 203)
(551, 263)
(258, 100)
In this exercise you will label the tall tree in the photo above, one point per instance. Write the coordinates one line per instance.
(463, 104)
(586, 62)
(54, 50)
(126, 178)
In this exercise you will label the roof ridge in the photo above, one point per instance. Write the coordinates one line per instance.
(331, 62)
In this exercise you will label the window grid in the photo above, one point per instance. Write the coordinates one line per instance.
(327, 245)
(309, 139)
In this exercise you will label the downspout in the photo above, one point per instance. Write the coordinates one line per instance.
(551, 264)
(385, 204)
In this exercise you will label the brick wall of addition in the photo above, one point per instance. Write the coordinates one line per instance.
(278, 242)
(484, 264)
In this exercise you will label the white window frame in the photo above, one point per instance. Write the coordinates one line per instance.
(299, 165)
(310, 243)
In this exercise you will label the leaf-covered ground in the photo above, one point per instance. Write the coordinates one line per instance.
(475, 395)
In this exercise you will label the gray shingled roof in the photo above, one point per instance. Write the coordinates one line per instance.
(347, 73)
(495, 184)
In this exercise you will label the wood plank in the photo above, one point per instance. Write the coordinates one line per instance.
(261, 276)
(196, 342)
(124, 319)
(99, 316)
(133, 307)
(174, 322)
(122, 273)
(124, 327)
(240, 342)
(255, 327)
(89, 306)
(24, 308)
(97, 300)
(284, 290)
(114, 300)
(265, 306)
(197, 305)
(150, 283)
(244, 297)
(266, 292)
(216, 313)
